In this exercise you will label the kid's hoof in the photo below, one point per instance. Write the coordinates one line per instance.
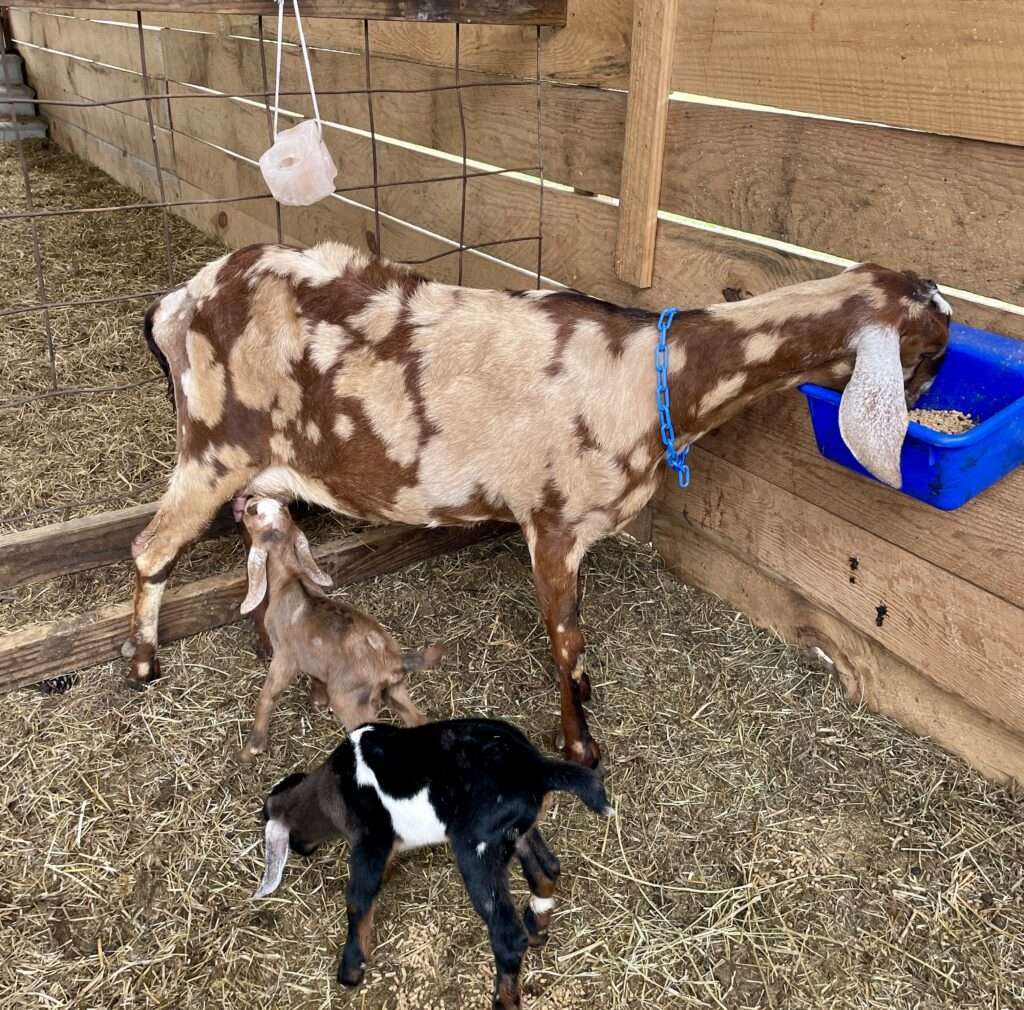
(352, 975)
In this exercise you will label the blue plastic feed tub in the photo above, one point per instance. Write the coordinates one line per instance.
(982, 375)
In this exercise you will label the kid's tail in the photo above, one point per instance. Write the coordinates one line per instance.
(422, 659)
(584, 783)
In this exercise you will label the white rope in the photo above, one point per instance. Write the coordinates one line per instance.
(305, 59)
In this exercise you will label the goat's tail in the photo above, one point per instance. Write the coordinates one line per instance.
(585, 783)
(161, 358)
(423, 659)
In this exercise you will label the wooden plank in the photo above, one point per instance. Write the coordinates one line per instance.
(950, 209)
(122, 166)
(983, 542)
(581, 127)
(58, 78)
(643, 151)
(496, 12)
(934, 65)
(964, 640)
(82, 544)
(692, 266)
(117, 45)
(49, 650)
(871, 675)
(592, 48)
(93, 82)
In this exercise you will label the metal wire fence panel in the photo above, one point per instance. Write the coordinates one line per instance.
(62, 306)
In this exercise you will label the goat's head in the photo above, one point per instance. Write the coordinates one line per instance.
(301, 813)
(273, 533)
(892, 344)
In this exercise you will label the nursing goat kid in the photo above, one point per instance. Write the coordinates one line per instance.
(478, 784)
(355, 664)
(351, 383)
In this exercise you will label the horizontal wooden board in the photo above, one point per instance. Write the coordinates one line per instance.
(592, 48)
(582, 130)
(950, 209)
(964, 640)
(499, 12)
(90, 82)
(68, 80)
(983, 542)
(937, 65)
(870, 673)
(79, 545)
(108, 43)
(52, 649)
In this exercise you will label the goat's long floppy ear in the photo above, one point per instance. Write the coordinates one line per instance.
(873, 415)
(274, 857)
(307, 563)
(257, 580)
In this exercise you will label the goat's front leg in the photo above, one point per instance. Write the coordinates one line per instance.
(367, 866)
(279, 677)
(485, 873)
(186, 509)
(541, 869)
(557, 577)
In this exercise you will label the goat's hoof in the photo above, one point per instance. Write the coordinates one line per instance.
(583, 689)
(351, 975)
(253, 747)
(143, 670)
(583, 752)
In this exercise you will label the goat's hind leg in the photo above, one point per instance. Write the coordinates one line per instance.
(485, 873)
(186, 509)
(541, 869)
(556, 573)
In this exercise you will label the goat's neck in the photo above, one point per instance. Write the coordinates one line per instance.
(721, 360)
(288, 596)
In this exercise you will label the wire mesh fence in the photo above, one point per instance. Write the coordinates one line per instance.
(23, 218)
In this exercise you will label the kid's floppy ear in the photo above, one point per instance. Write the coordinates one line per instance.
(275, 856)
(873, 416)
(307, 564)
(257, 580)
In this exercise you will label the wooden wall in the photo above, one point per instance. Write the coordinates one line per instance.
(934, 180)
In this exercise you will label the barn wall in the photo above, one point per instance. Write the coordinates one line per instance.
(768, 524)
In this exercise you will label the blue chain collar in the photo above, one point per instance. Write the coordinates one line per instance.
(675, 460)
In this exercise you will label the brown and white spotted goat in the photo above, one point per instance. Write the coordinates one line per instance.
(348, 382)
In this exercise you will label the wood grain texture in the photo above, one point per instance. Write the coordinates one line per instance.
(871, 675)
(964, 640)
(943, 66)
(951, 209)
(592, 48)
(643, 150)
(581, 131)
(983, 542)
(126, 125)
(49, 650)
(498, 12)
(116, 44)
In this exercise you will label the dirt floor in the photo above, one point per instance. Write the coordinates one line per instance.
(773, 848)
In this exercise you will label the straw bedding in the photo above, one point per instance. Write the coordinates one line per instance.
(773, 847)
